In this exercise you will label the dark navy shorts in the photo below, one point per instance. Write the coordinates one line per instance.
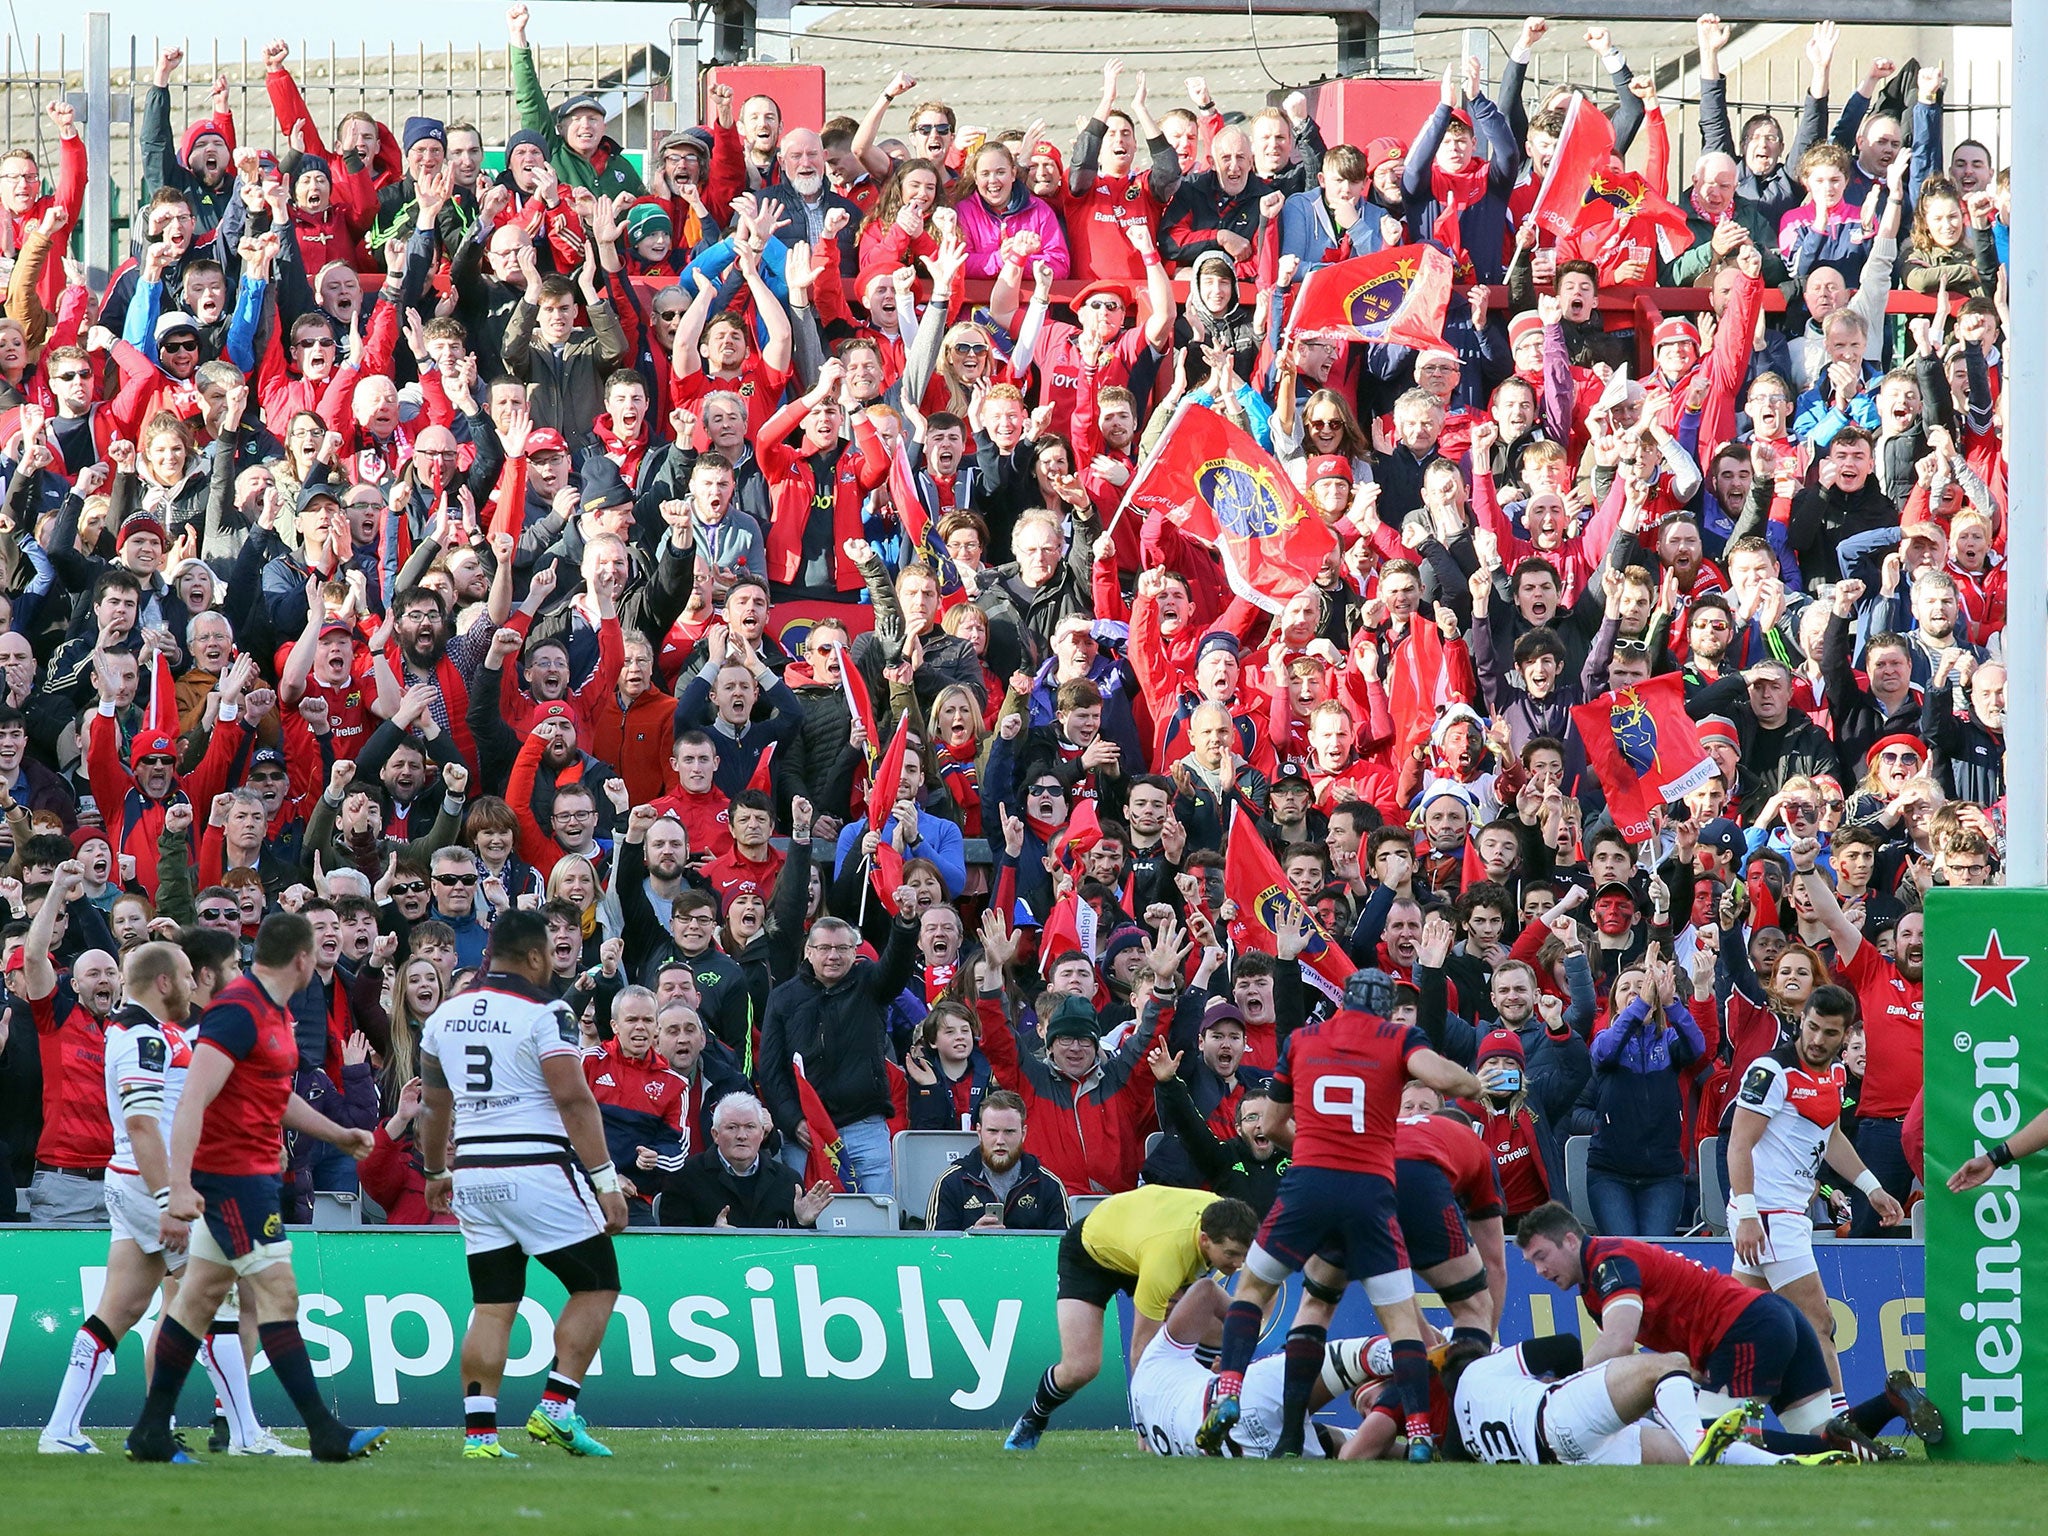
(243, 1211)
(1769, 1351)
(1431, 1223)
(1344, 1217)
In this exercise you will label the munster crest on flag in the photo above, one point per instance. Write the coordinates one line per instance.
(1643, 750)
(1584, 145)
(1398, 296)
(1224, 490)
(1253, 881)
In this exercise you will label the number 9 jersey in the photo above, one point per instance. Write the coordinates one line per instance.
(1344, 1078)
(490, 1043)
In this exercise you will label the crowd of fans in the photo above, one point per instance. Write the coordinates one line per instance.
(511, 539)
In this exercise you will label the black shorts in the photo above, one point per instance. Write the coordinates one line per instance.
(242, 1209)
(1082, 1278)
(1431, 1223)
(1325, 1212)
(1769, 1351)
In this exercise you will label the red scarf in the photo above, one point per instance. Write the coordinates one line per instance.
(627, 455)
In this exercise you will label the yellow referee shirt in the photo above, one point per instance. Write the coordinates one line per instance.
(1150, 1233)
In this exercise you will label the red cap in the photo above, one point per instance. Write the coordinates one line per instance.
(86, 835)
(152, 744)
(337, 627)
(1461, 116)
(869, 273)
(545, 440)
(1674, 329)
(1329, 466)
(1501, 1042)
(1523, 324)
(555, 711)
(1379, 151)
(1904, 739)
(1100, 286)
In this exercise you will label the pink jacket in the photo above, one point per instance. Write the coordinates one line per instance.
(985, 232)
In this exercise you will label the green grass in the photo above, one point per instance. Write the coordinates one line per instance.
(903, 1483)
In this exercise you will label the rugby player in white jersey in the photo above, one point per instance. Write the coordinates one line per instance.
(503, 1060)
(1785, 1122)
(1532, 1405)
(147, 1056)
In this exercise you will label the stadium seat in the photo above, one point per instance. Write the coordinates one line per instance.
(1713, 1197)
(1919, 1221)
(1153, 1140)
(1080, 1205)
(336, 1212)
(859, 1213)
(920, 1160)
(1575, 1150)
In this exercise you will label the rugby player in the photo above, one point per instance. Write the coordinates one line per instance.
(1743, 1343)
(147, 1056)
(1149, 1243)
(503, 1060)
(1334, 1100)
(224, 1159)
(1785, 1122)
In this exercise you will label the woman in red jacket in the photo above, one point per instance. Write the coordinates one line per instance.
(392, 1174)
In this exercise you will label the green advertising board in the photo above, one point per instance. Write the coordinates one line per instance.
(1987, 1075)
(744, 1329)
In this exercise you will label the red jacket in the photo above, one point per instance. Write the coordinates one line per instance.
(639, 741)
(393, 1179)
(135, 823)
(1090, 1135)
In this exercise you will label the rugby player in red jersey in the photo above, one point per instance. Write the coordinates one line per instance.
(225, 1204)
(1334, 1100)
(1744, 1344)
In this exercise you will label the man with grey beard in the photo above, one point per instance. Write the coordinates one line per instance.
(804, 196)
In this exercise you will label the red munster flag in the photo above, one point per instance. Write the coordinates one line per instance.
(1624, 210)
(1398, 296)
(1070, 926)
(1643, 749)
(1224, 490)
(1252, 879)
(828, 1159)
(1423, 677)
(763, 777)
(162, 719)
(857, 701)
(1584, 145)
(886, 872)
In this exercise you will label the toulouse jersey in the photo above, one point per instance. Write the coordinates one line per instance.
(490, 1043)
(1802, 1108)
(1497, 1407)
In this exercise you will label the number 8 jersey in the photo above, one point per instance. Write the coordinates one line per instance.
(490, 1042)
(1344, 1078)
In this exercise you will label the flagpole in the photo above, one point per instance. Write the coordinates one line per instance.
(2026, 341)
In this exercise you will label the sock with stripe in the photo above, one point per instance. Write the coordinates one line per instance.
(479, 1413)
(558, 1399)
(228, 1368)
(1240, 1339)
(1411, 1382)
(1305, 1347)
(92, 1356)
(1874, 1414)
(286, 1352)
(170, 1363)
(1050, 1395)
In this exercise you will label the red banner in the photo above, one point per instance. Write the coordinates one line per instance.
(828, 1159)
(1223, 489)
(1070, 926)
(886, 872)
(1423, 676)
(1643, 750)
(1622, 209)
(919, 531)
(1264, 900)
(1398, 296)
(1584, 145)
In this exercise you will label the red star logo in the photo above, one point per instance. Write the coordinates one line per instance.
(1994, 971)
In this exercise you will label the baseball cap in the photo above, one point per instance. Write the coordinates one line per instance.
(172, 321)
(1329, 466)
(314, 491)
(1724, 836)
(545, 440)
(1291, 776)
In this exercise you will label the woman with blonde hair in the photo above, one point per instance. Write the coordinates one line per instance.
(574, 880)
(959, 741)
(415, 993)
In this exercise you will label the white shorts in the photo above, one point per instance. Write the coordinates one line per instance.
(1170, 1398)
(537, 1207)
(255, 1261)
(1582, 1427)
(1788, 1250)
(132, 1210)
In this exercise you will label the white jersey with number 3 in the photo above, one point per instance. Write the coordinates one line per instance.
(1496, 1409)
(490, 1043)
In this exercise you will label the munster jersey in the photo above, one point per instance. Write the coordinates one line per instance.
(490, 1043)
(1802, 1108)
(243, 1133)
(1344, 1078)
(1686, 1306)
(1458, 1151)
(146, 1066)
(71, 1042)
(1894, 1014)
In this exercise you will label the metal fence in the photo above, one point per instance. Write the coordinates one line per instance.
(472, 84)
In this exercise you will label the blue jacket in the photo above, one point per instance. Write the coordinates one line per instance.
(938, 840)
(1635, 1100)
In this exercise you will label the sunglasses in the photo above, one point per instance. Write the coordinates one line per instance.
(68, 378)
(314, 343)
(1103, 304)
(1045, 791)
(455, 879)
(220, 914)
(179, 344)
(409, 888)
(930, 130)
(970, 348)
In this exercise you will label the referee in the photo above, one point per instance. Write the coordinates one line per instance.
(1148, 1243)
